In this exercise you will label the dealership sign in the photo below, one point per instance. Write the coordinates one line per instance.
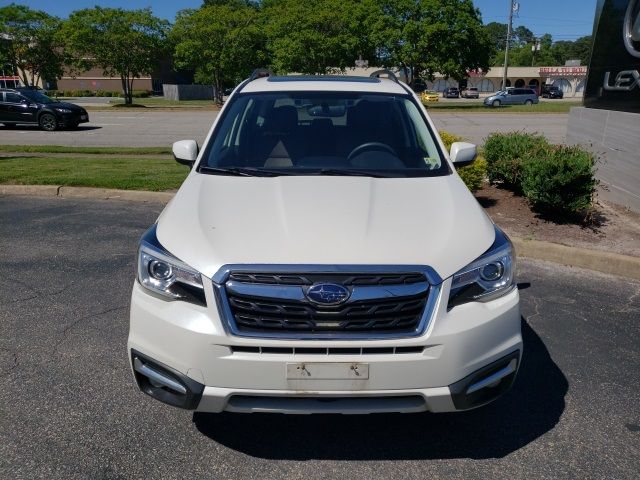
(613, 82)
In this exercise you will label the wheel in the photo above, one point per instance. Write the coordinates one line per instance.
(48, 122)
(528, 102)
(495, 103)
(370, 146)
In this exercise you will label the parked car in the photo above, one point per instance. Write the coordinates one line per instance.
(552, 92)
(451, 92)
(30, 107)
(429, 96)
(512, 96)
(326, 263)
(471, 92)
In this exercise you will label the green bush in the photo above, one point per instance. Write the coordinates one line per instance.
(53, 93)
(449, 138)
(472, 175)
(138, 94)
(560, 179)
(105, 93)
(507, 152)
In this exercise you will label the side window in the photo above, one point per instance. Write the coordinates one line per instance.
(11, 97)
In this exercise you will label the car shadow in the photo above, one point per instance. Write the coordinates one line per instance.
(79, 128)
(530, 409)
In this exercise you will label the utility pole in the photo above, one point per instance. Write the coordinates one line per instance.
(513, 6)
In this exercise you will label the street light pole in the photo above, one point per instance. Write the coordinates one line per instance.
(512, 7)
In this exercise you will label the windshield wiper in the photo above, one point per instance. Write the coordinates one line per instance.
(350, 173)
(242, 171)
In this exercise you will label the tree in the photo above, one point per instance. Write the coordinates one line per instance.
(222, 43)
(319, 37)
(497, 33)
(523, 36)
(28, 44)
(425, 37)
(124, 43)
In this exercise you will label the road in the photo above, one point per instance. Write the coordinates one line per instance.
(149, 127)
(69, 408)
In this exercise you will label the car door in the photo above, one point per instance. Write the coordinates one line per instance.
(4, 109)
(20, 109)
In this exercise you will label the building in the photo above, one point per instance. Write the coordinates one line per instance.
(571, 79)
(95, 79)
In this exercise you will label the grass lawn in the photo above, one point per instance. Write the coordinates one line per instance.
(143, 173)
(85, 150)
(542, 107)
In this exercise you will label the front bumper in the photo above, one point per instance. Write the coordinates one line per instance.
(74, 118)
(189, 344)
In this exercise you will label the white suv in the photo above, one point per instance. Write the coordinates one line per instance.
(323, 256)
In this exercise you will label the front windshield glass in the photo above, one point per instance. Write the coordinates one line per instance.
(36, 96)
(332, 133)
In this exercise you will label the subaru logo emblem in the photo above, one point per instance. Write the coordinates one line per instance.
(328, 294)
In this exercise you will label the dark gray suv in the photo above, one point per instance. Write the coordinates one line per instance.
(512, 96)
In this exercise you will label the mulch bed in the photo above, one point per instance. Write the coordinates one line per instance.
(611, 227)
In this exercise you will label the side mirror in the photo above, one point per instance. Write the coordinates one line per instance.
(462, 153)
(185, 152)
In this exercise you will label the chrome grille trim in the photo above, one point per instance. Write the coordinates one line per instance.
(226, 280)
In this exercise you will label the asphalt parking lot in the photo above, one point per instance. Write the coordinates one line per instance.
(150, 127)
(69, 407)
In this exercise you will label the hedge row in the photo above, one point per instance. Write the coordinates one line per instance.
(557, 179)
(96, 93)
(472, 175)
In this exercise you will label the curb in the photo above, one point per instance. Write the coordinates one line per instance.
(86, 192)
(605, 262)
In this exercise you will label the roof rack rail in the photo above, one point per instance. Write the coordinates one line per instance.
(387, 72)
(260, 73)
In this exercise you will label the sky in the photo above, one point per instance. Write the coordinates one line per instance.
(564, 19)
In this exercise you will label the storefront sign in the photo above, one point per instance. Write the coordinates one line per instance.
(563, 71)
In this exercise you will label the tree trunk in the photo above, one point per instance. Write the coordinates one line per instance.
(130, 98)
(23, 76)
(125, 85)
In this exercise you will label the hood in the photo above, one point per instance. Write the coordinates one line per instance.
(70, 106)
(215, 220)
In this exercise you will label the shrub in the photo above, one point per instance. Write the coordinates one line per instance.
(53, 93)
(475, 174)
(507, 152)
(560, 180)
(105, 93)
(449, 138)
(472, 175)
(138, 94)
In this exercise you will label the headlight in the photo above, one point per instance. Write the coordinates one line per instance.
(162, 273)
(63, 110)
(488, 277)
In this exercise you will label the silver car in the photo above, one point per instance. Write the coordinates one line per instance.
(512, 96)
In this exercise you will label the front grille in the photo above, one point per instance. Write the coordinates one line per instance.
(275, 304)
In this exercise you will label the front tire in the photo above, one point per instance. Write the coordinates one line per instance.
(495, 103)
(528, 102)
(48, 122)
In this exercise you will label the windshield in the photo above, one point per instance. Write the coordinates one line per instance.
(36, 96)
(323, 133)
